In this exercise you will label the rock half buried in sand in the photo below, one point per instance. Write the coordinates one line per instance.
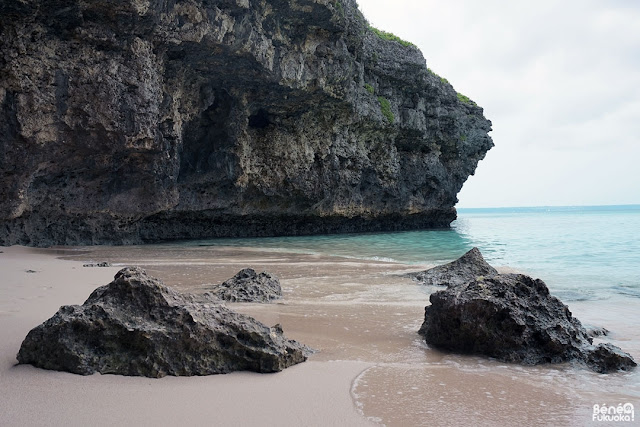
(136, 325)
(248, 286)
(468, 267)
(98, 264)
(513, 318)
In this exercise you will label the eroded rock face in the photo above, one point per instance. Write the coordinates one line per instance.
(513, 318)
(596, 331)
(248, 286)
(134, 121)
(137, 326)
(606, 357)
(468, 267)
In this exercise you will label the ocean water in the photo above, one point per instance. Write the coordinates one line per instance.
(582, 253)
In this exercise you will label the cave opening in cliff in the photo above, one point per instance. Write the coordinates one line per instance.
(205, 147)
(259, 120)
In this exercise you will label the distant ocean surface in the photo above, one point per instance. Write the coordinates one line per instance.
(582, 253)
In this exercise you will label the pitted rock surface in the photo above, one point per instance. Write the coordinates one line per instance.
(513, 318)
(248, 286)
(136, 325)
(133, 121)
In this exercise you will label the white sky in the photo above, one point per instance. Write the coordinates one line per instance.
(560, 80)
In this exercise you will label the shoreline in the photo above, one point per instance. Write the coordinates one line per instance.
(361, 315)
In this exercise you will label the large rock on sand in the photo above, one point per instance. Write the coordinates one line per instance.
(248, 286)
(513, 318)
(468, 267)
(136, 325)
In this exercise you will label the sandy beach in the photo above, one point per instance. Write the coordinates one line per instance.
(313, 393)
(362, 316)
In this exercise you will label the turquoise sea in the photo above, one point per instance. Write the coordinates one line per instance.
(583, 253)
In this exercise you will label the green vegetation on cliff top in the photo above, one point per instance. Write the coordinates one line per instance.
(465, 99)
(462, 98)
(390, 37)
(442, 79)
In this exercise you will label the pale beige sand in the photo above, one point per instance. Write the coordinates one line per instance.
(313, 393)
(362, 316)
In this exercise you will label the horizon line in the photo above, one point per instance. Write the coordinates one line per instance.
(549, 206)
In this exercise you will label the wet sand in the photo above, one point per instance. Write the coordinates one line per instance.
(361, 316)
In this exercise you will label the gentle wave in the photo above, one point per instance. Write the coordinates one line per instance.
(582, 253)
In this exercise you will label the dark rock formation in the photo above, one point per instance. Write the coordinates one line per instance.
(131, 121)
(468, 267)
(513, 318)
(248, 286)
(137, 326)
(596, 331)
(606, 357)
(98, 264)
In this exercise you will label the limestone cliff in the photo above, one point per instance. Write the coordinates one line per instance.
(130, 121)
